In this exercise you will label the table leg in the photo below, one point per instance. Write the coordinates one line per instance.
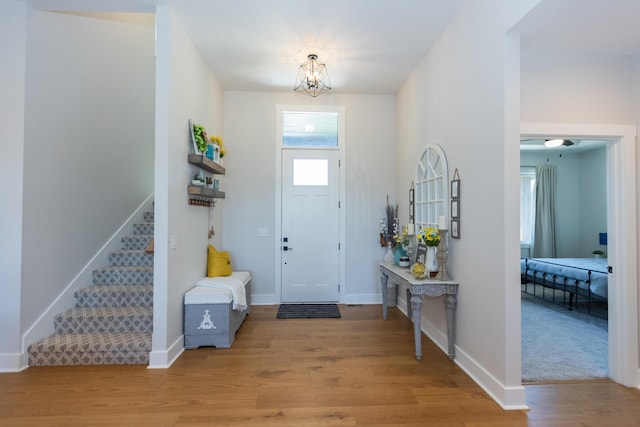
(383, 281)
(450, 305)
(416, 310)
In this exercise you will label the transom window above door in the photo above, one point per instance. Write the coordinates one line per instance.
(309, 129)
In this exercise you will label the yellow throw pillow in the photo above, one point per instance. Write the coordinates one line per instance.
(218, 263)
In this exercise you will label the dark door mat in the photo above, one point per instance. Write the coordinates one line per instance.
(308, 311)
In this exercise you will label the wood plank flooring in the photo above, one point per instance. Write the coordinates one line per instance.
(355, 371)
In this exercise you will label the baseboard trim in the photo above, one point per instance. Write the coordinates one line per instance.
(12, 362)
(165, 358)
(509, 398)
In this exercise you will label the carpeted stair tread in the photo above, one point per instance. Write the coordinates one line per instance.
(114, 296)
(123, 275)
(112, 322)
(130, 258)
(91, 349)
(143, 228)
(135, 241)
(104, 319)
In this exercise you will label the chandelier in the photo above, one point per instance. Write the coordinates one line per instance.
(313, 77)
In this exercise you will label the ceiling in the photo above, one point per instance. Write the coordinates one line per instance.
(368, 46)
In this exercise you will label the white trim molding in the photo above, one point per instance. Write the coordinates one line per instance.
(624, 366)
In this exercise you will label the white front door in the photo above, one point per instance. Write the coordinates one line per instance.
(310, 226)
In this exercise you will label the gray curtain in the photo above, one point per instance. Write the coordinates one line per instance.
(544, 240)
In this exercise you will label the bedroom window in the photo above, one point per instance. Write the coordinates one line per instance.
(527, 204)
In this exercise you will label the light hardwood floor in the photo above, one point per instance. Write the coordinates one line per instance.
(355, 371)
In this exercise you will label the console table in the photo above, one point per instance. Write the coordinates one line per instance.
(392, 275)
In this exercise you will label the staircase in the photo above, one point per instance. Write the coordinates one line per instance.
(113, 319)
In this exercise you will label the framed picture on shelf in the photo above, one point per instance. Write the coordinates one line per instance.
(455, 228)
(197, 132)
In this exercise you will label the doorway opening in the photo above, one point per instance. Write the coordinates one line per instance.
(563, 215)
(310, 213)
(622, 237)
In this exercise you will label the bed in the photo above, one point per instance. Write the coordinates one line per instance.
(578, 283)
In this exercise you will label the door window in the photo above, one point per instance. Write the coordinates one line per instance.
(310, 172)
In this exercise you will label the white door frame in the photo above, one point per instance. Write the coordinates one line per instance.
(278, 215)
(621, 225)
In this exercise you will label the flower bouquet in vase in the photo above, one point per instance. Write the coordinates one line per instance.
(429, 238)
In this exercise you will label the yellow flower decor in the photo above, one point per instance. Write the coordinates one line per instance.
(429, 236)
(402, 239)
(418, 270)
(218, 140)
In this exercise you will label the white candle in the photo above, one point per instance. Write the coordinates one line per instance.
(411, 229)
(442, 222)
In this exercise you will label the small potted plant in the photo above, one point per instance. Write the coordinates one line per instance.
(597, 253)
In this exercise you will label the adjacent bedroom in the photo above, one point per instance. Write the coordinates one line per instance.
(563, 260)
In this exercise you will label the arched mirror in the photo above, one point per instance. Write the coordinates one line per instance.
(432, 187)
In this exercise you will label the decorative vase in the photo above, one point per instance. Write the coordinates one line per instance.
(431, 263)
(209, 152)
(400, 252)
(388, 256)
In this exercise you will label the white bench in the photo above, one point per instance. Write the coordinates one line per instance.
(209, 317)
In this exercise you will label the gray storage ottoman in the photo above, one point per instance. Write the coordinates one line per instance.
(209, 317)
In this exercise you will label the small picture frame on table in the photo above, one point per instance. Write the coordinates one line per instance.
(421, 253)
(455, 229)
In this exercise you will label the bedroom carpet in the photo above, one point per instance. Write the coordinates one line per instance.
(561, 345)
(308, 311)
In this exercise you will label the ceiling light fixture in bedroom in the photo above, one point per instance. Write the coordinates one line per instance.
(313, 77)
(552, 143)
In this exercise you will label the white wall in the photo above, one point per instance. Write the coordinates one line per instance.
(464, 96)
(185, 90)
(250, 138)
(12, 85)
(577, 88)
(636, 95)
(581, 181)
(593, 196)
(586, 92)
(88, 150)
